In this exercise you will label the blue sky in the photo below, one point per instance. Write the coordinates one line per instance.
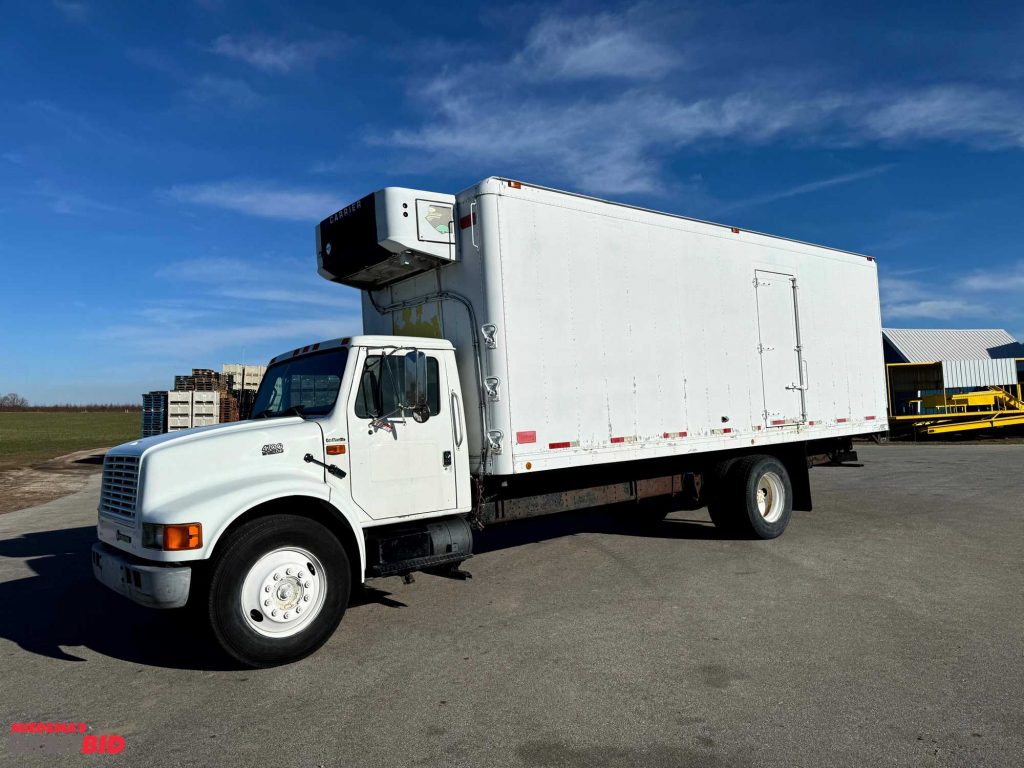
(163, 165)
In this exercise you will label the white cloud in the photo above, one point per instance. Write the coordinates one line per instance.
(605, 45)
(218, 308)
(1008, 278)
(72, 11)
(549, 109)
(606, 145)
(953, 112)
(63, 200)
(272, 54)
(951, 310)
(812, 186)
(932, 297)
(260, 199)
(224, 91)
(202, 341)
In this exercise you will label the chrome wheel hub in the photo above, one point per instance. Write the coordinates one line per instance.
(771, 496)
(283, 592)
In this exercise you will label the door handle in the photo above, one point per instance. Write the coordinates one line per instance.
(446, 459)
(457, 418)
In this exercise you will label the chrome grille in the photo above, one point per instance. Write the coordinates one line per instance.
(120, 489)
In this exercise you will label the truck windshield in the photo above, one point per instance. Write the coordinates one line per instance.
(306, 386)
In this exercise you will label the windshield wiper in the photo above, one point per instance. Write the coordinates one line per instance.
(266, 413)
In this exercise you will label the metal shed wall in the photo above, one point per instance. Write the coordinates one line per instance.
(978, 373)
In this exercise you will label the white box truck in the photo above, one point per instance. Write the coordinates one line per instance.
(525, 351)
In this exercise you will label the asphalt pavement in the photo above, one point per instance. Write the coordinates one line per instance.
(884, 628)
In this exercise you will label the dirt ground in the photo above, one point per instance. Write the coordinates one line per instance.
(48, 480)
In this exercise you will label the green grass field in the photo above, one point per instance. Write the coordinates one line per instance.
(28, 438)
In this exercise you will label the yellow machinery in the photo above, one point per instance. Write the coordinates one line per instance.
(921, 397)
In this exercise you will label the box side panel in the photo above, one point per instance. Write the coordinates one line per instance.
(629, 339)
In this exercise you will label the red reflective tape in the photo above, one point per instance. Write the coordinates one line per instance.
(526, 437)
(306, 348)
(841, 421)
(776, 422)
(618, 439)
(811, 423)
(560, 445)
(870, 418)
(467, 220)
(727, 430)
(316, 346)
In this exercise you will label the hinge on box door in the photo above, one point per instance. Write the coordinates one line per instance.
(491, 384)
(489, 331)
(494, 440)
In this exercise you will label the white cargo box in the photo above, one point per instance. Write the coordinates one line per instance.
(188, 409)
(611, 333)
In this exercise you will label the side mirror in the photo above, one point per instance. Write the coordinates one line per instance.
(416, 385)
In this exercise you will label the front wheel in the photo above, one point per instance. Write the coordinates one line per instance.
(278, 590)
(754, 500)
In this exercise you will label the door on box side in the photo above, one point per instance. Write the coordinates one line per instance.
(779, 348)
(400, 466)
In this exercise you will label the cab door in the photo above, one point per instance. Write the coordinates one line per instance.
(399, 465)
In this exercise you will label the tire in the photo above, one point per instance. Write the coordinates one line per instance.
(754, 500)
(285, 565)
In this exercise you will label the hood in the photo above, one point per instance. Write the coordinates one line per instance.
(148, 444)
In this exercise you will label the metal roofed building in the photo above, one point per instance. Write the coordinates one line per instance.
(931, 345)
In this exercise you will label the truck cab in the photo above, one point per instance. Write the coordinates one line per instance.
(356, 450)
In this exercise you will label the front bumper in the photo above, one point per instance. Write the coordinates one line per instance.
(154, 586)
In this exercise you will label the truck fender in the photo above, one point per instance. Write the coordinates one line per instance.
(310, 499)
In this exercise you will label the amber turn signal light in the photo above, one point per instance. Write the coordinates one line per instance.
(184, 536)
(335, 450)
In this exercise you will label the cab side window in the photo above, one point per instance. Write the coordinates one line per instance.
(382, 383)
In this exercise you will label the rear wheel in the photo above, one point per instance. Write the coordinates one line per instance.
(754, 499)
(278, 590)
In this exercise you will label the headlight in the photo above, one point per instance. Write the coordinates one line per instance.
(172, 538)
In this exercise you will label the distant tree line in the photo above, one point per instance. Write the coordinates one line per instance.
(12, 401)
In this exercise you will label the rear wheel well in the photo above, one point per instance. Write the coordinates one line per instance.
(309, 507)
